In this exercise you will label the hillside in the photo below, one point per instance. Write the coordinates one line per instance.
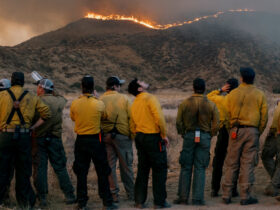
(167, 59)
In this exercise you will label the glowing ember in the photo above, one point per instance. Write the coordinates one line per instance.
(149, 24)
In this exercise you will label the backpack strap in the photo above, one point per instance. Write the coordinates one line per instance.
(16, 107)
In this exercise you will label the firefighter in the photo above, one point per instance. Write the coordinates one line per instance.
(50, 146)
(219, 97)
(148, 123)
(86, 112)
(117, 137)
(4, 85)
(270, 151)
(197, 121)
(17, 108)
(247, 108)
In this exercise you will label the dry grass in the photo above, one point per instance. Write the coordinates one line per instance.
(170, 101)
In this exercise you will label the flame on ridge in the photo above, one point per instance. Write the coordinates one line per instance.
(151, 25)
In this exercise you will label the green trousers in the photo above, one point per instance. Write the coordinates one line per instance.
(194, 159)
(53, 151)
(150, 157)
(16, 153)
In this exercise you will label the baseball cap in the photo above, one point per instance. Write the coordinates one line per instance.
(46, 84)
(5, 84)
(111, 81)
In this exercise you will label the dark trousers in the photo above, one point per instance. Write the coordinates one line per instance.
(150, 156)
(53, 151)
(16, 153)
(219, 158)
(87, 148)
(271, 159)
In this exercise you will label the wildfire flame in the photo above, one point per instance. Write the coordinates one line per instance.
(151, 25)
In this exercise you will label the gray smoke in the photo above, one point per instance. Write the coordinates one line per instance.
(21, 19)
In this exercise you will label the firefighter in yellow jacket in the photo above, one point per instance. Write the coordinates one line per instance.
(148, 123)
(86, 112)
(270, 151)
(247, 109)
(219, 98)
(117, 137)
(17, 109)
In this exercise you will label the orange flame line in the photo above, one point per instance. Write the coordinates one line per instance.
(149, 24)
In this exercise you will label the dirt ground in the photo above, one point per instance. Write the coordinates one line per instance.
(170, 103)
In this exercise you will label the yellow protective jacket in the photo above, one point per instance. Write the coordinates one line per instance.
(147, 116)
(117, 111)
(220, 101)
(54, 124)
(247, 106)
(29, 104)
(86, 112)
(275, 126)
(197, 111)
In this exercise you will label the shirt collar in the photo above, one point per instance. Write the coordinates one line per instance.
(197, 95)
(243, 84)
(110, 92)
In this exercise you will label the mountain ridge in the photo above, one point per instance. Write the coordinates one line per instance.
(165, 58)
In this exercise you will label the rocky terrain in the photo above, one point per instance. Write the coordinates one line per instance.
(213, 49)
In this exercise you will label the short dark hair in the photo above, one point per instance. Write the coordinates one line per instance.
(248, 75)
(199, 86)
(88, 84)
(17, 79)
(133, 87)
(233, 84)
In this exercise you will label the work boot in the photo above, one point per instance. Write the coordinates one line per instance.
(181, 201)
(270, 190)
(70, 199)
(249, 201)
(162, 206)
(109, 207)
(198, 202)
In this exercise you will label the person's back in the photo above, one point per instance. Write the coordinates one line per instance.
(197, 111)
(148, 124)
(117, 111)
(28, 106)
(117, 135)
(53, 125)
(50, 147)
(247, 106)
(18, 108)
(87, 112)
(197, 121)
(147, 116)
(247, 109)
